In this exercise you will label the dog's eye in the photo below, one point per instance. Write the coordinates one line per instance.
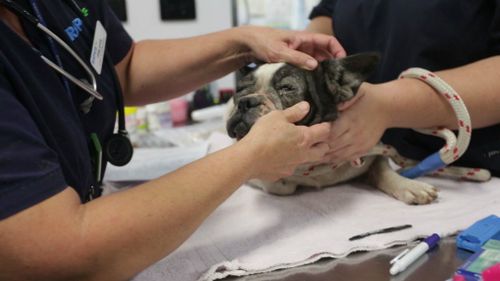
(285, 89)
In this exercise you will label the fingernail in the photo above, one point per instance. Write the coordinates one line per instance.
(311, 64)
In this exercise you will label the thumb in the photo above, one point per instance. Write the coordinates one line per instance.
(297, 112)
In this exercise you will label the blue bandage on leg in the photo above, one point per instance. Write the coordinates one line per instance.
(427, 165)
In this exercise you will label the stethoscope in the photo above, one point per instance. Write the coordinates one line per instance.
(90, 88)
(118, 149)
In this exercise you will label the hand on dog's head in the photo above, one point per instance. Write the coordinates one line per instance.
(278, 86)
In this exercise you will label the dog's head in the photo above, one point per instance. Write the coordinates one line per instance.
(279, 86)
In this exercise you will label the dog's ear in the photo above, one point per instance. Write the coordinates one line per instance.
(344, 76)
(360, 65)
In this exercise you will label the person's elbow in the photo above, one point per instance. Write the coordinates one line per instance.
(49, 242)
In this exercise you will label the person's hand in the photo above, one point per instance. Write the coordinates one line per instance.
(301, 48)
(278, 146)
(359, 127)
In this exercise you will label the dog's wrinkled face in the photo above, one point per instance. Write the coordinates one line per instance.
(279, 86)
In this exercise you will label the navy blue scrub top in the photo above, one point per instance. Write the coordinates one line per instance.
(44, 136)
(432, 34)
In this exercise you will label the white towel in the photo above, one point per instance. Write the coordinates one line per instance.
(255, 232)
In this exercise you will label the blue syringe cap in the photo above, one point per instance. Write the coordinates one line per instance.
(432, 240)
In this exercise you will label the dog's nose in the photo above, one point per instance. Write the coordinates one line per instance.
(247, 103)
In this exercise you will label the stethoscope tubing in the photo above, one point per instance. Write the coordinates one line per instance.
(93, 91)
(89, 88)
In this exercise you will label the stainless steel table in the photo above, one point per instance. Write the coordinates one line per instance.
(437, 265)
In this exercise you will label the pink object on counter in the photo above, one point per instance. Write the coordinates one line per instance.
(458, 277)
(492, 273)
(179, 111)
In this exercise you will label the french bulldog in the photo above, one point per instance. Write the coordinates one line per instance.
(278, 86)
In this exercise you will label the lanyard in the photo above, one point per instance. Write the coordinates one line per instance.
(52, 44)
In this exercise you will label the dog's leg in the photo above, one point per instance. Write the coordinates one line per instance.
(407, 190)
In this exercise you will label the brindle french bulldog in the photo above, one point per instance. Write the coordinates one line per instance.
(278, 86)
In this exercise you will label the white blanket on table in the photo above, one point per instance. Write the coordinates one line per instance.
(255, 232)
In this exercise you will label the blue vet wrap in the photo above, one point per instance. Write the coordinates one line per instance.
(429, 164)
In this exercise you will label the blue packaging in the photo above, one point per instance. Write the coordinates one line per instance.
(475, 236)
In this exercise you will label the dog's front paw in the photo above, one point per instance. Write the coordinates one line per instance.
(415, 192)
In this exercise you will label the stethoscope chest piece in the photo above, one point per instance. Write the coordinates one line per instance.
(118, 150)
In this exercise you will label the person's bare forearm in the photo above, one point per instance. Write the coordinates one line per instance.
(479, 85)
(117, 236)
(163, 69)
(413, 104)
(153, 219)
(321, 25)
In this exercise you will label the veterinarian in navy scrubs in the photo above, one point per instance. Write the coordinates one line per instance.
(52, 126)
(459, 39)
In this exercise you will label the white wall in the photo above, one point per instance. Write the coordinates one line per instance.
(286, 14)
(211, 15)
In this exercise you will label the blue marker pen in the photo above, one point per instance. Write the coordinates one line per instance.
(407, 257)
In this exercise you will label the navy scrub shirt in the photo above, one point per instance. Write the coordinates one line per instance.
(44, 136)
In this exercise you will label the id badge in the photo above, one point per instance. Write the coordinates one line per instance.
(98, 47)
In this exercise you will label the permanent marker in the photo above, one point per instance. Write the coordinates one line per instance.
(407, 257)
(379, 231)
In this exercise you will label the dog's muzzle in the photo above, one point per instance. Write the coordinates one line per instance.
(246, 113)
